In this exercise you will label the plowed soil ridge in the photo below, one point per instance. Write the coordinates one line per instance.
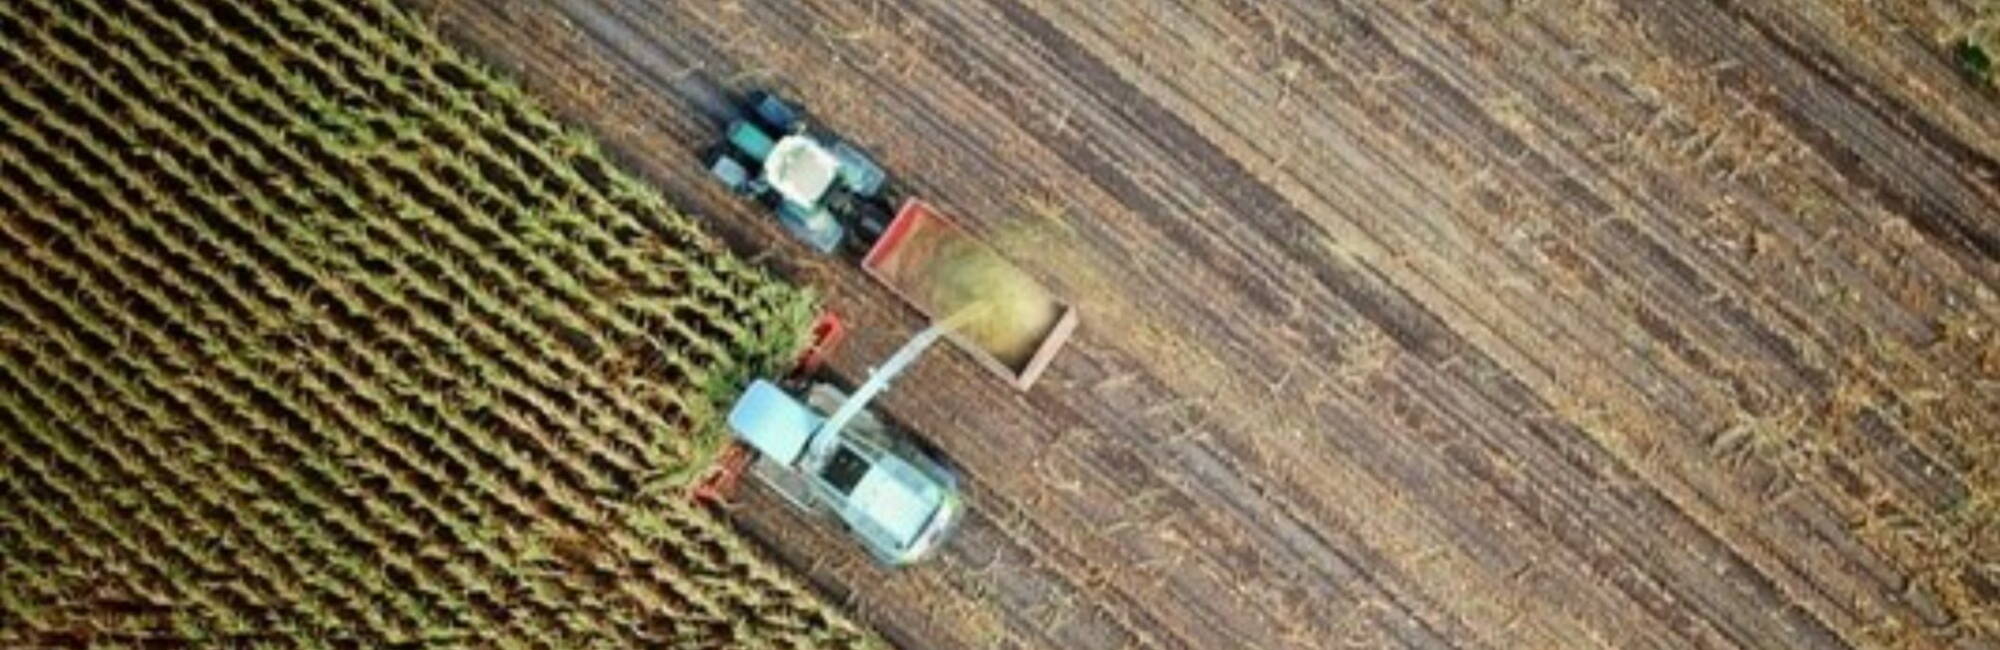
(1431, 325)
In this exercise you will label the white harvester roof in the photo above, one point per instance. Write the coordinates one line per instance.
(899, 499)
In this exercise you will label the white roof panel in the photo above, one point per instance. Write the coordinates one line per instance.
(800, 169)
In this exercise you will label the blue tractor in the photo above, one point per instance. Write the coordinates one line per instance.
(824, 190)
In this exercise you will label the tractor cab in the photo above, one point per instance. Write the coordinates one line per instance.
(826, 192)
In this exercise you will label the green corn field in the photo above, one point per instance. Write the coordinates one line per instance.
(313, 333)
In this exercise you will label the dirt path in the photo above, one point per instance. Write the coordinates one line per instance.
(1433, 325)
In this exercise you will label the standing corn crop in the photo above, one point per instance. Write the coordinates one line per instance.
(314, 333)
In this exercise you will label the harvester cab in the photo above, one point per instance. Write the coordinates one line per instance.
(823, 450)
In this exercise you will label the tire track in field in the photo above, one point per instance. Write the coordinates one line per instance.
(1264, 202)
(1948, 215)
(1154, 141)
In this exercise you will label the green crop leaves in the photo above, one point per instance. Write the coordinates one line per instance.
(1977, 45)
(1975, 59)
(306, 320)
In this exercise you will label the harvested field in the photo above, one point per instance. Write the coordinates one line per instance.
(312, 334)
(1475, 324)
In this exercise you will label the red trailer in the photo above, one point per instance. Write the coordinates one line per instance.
(905, 258)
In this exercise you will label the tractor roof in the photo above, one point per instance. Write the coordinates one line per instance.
(800, 169)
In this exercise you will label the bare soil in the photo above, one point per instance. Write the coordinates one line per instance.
(1440, 325)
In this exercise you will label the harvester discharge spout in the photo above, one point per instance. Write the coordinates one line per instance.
(878, 381)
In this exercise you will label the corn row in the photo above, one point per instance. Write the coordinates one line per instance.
(488, 149)
(229, 479)
(315, 334)
(460, 162)
(281, 254)
(231, 362)
(451, 272)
